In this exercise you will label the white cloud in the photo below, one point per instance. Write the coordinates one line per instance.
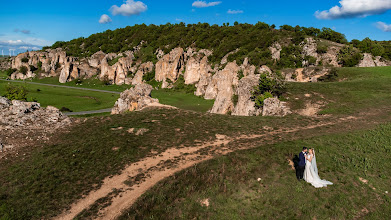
(383, 26)
(204, 4)
(104, 19)
(233, 12)
(355, 8)
(130, 8)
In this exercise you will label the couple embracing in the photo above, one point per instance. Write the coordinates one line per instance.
(308, 170)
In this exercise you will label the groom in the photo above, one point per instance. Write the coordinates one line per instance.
(301, 167)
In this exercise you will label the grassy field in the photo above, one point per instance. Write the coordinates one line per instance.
(230, 183)
(49, 178)
(359, 90)
(85, 83)
(46, 180)
(182, 100)
(178, 99)
(74, 99)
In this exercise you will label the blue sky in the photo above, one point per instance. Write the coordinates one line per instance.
(32, 24)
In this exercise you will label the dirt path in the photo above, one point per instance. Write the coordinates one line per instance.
(138, 177)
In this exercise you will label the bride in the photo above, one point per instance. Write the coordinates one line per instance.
(311, 171)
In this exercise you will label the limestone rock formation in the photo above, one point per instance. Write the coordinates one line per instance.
(195, 68)
(222, 87)
(170, 67)
(367, 61)
(143, 69)
(245, 106)
(30, 115)
(275, 49)
(134, 99)
(274, 107)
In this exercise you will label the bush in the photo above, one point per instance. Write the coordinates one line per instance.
(330, 77)
(10, 71)
(25, 60)
(39, 64)
(33, 68)
(16, 92)
(349, 56)
(267, 88)
(240, 74)
(23, 70)
(311, 60)
(65, 109)
(321, 49)
(106, 81)
(149, 76)
(180, 85)
(235, 99)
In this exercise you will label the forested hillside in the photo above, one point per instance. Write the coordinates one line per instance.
(252, 40)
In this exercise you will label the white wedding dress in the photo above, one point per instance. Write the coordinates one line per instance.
(311, 174)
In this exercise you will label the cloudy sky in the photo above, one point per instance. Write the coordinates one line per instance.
(29, 25)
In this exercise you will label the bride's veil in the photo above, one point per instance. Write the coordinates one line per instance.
(313, 162)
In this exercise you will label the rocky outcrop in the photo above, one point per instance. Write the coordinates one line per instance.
(275, 50)
(134, 99)
(379, 61)
(170, 67)
(308, 74)
(224, 60)
(30, 115)
(143, 69)
(274, 107)
(196, 67)
(330, 58)
(5, 63)
(245, 106)
(367, 61)
(221, 88)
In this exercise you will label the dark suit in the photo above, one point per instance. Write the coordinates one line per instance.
(301, 167)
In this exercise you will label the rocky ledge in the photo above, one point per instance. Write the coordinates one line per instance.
(30, 115)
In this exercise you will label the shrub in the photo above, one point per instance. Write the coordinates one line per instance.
(14, 92)
(10, 71)
(267, 88)
(25, 60)
(235, 99)
(330, 77)
(240, 74)
(106, 80)
(39, 64)
(114, 61)
(23, 70)
(65, 109)
(349, 56)
(180, 85)
(311, 60)
(147, 77)
(321, 49)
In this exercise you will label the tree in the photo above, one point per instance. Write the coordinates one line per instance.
(16, 92)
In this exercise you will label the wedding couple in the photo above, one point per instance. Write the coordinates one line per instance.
(308, 170)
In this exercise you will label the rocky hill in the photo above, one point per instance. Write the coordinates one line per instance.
(301, 54)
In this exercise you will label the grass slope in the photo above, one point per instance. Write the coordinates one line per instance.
(76, 100)
(182, 100)
(360, 89)
(230, 183)
(51, 177)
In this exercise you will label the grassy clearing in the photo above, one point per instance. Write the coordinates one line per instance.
(50, 178)
(85, 83)
(182, 100)
(360, 90)
(178, 99)
(3, 74)
(230, 183)
(75, 100)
